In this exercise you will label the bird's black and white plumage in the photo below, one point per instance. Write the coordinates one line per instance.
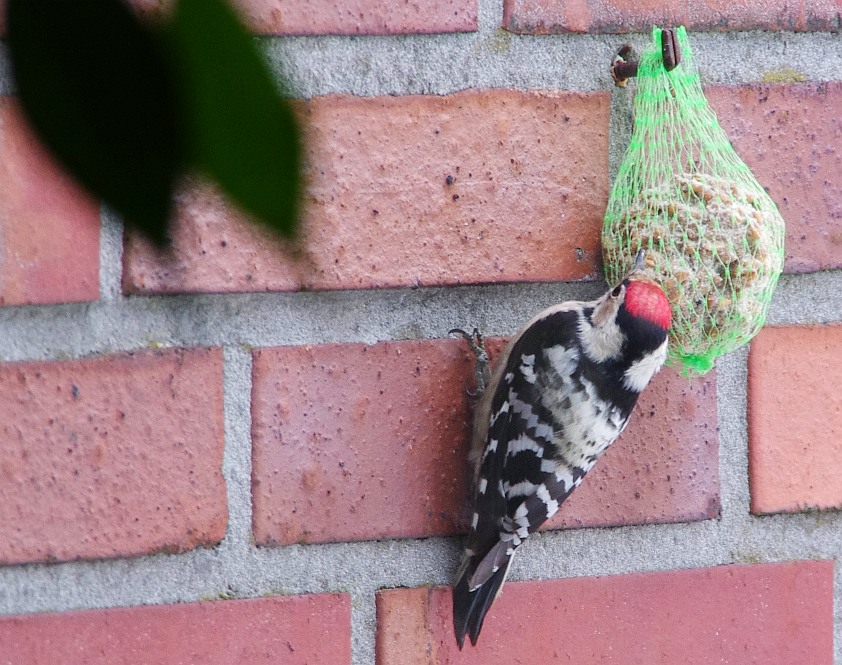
(560, 394)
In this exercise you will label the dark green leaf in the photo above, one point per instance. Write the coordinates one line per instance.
(245, 135)
(94, 85)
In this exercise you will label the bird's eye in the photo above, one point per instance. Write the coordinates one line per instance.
(617, 290)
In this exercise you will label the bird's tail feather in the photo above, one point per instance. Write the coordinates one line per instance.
(471, 606)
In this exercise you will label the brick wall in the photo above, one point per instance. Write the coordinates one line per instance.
(243, 453)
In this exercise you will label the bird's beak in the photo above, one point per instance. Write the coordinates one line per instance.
(639, 260)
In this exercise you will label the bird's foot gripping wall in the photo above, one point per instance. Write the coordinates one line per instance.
(238, 453)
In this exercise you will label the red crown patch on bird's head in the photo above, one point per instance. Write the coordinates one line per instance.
(647, 300)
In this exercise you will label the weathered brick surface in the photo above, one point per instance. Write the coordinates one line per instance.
(49, 229)
(479, 186)
(114, 456)
(795, 419)
(348, 17)
(366, 17)
(357, 442)
(554, 16)
(294, 630)
(338, 17)
(790, 136)
(379, 162)
(771, 613)
(354, 442)
(403, 627)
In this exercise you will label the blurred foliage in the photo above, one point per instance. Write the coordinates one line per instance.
(128, 108)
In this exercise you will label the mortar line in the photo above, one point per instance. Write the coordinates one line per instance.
(490, 57)
(732, 424)
(363, 624)
(493, 58)
(52, 332)
(489, 16)
(236, 466)
(7, 82)
(837, 613)
(333, 568)
(110, 254)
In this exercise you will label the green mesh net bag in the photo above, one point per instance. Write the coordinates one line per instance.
(714, 238)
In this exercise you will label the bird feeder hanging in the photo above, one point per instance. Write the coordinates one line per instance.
(714, 239)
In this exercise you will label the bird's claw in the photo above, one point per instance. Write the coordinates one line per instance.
(477, 346)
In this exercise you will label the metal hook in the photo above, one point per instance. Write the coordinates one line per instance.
(623, 67)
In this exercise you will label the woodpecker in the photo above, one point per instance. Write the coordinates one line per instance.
(561, 392)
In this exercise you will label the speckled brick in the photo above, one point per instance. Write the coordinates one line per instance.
(354, 442)
(49, 228)
(475, 187)
(614, 16)
(293, 630)
(403, 627)
(769, 613)
(337, 17)
(111, 457)
(358, 442)
(359, 17)
(348, 17)
(790, 136)
(795, 418)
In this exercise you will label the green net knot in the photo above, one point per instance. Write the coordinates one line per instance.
(693, 365)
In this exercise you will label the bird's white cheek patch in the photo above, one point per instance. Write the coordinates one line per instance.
(602, 341)
(638, 376)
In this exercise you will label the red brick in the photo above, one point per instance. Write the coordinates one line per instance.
(403, 624)
(529, 188)
(614, 16)
(795, 420)
(790, 136)
(49, 228)
(359, 442)
(110, 457)
(359, 17)
(354, 442)
(338, 17)
(348, 17)
(770, 613)
(293, 630)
